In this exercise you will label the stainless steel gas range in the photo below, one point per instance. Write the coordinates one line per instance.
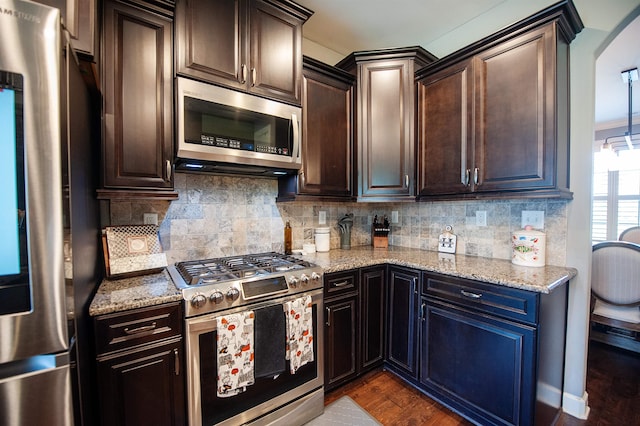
(262, 285)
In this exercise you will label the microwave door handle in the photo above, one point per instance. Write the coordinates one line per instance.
(296, 134)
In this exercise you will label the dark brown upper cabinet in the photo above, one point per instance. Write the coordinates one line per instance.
(493, 118)
(385, 121)
(327, 135)
(79, 18)
(250, 45)
(137, 82)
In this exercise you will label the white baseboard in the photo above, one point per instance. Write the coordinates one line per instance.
(550, 395)
(576, 406)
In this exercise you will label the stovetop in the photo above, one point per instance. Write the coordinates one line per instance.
(212, 285)
(201, 272)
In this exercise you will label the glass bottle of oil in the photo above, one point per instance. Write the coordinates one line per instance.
(287, 238)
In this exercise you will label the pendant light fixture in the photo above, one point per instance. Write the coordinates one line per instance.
(628, 77)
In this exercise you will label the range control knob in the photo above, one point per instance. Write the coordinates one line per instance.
(315, 276)
(304, 278)
(293, 282)
(198, 300)
(233, 294)
(216, 297)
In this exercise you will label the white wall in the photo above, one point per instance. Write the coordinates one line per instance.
(602, 20)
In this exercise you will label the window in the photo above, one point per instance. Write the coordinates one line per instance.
(616, 193)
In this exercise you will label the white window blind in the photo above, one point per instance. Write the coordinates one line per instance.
(616, 194)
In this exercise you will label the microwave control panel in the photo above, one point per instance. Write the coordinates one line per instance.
(222, 142)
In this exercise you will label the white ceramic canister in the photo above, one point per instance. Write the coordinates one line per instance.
(323, 239)
(528, 247)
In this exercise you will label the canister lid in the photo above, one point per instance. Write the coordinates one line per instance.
(323, 230)
(529, 231)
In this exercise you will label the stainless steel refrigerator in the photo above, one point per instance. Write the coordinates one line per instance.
(48, 222)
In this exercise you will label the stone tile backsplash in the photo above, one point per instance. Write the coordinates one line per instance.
(222, 215)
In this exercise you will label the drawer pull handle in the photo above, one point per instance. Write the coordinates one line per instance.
(176, 358)
(328, 317)
(470, 294)
(341, 284)
(140, 329)
(423, 315)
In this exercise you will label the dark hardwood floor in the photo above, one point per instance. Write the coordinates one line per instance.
(613, 385)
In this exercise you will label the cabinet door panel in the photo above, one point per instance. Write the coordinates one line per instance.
(209, 40)
(143, 387)
(138, 139)
(276, 53)
(401, 328)
(515, 114)
(340, 341)
(445, 123)
(386, 138)
(480, 364)
(372, 292)
(326, 145)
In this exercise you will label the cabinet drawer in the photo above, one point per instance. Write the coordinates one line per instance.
(506, 302)
(340, 283)
(127, 329)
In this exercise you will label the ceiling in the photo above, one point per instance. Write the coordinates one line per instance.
(444, 26)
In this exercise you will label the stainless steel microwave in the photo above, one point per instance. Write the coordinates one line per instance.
(224, 131)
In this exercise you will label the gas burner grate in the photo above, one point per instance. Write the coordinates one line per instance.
(206, 271)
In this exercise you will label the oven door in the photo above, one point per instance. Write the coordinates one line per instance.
(267, 394)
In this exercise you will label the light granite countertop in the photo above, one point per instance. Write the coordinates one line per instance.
(134, 292)
(154, 289)
(497, 271)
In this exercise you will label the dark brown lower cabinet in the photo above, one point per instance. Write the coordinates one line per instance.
(402, 300)
(492, 353)
(372, 316)
(354, 323)
(140, 367)
(143, 386)
(340, 340)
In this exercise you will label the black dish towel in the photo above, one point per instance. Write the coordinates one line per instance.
(269, 335)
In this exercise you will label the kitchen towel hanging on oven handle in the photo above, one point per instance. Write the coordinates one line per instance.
(299, 320)
(235, 353)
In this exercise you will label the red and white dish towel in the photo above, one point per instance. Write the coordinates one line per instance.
(299, 329)
(235, 353)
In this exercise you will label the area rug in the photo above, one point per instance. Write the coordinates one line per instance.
(344, 411)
